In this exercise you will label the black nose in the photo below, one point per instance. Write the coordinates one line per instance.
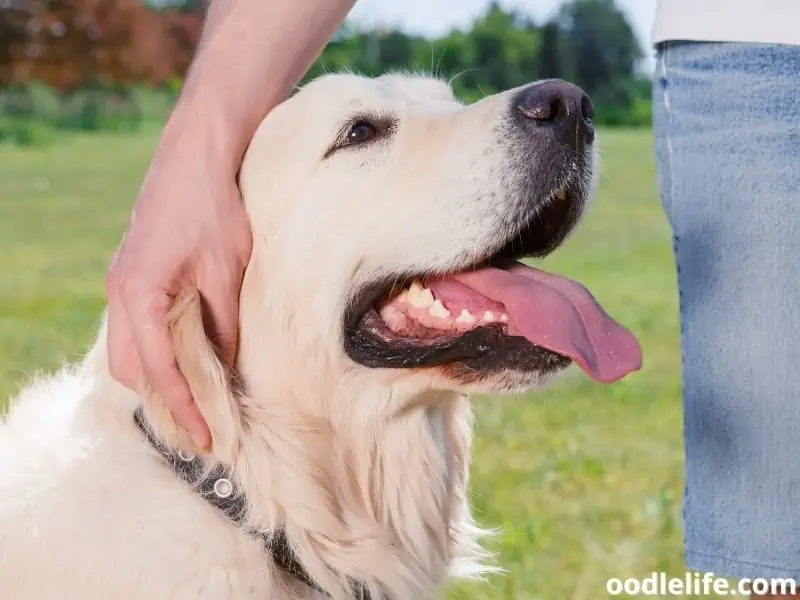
(558, 105)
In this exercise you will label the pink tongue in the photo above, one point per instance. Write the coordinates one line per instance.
(562, 316)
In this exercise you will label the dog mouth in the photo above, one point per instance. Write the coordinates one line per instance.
(495, 313)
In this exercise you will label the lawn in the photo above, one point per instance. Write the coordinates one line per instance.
(584, 480)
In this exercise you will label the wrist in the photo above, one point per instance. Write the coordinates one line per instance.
(221, 113)
(202, 127)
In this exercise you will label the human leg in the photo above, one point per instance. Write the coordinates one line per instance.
(727, 129)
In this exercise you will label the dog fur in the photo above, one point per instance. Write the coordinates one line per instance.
(366, 470)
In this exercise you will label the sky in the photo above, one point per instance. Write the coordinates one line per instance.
(436, 17)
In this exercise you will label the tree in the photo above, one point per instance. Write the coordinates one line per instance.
(14, 18)
(604, 50)
(550, 63)
(503, 48)
(114, 45)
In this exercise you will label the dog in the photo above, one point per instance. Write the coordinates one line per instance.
(384, 286)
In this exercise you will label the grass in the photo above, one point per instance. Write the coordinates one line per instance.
(584, 480)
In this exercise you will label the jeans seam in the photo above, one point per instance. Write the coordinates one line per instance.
(673, 217)
(668, 135)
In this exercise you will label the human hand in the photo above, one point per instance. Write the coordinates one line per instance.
(188, 229)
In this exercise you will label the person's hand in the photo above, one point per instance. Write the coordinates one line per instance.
(188, 229)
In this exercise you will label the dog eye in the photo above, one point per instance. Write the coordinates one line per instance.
(361, 132)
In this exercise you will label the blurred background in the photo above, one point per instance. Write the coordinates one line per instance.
(582, 481)
(86, 65)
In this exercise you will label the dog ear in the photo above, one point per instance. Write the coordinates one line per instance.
(210, 382)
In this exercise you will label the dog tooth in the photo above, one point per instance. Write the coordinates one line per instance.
(426, 297)
(489, 316)
(504, 318)
(420, 299)
(438, 309)
(561, 194)
(414, 294)
(402, 296)
(465, 317)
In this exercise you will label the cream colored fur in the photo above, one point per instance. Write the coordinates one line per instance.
(366, 470)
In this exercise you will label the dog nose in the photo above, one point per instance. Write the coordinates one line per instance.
(560, 106)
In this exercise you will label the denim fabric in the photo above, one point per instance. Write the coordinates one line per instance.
(727, 137)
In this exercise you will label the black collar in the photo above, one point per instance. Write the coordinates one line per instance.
(218, 489)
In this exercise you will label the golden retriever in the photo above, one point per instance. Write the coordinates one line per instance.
(383, 286)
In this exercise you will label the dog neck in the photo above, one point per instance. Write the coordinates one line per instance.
(379, 502)
(216, 487)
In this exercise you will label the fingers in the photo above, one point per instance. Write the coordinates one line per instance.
(147, 315)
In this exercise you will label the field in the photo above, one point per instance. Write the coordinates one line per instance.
(584, 481)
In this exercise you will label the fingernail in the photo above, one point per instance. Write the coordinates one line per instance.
(201, 440)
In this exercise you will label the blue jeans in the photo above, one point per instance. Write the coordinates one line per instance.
(727, 138)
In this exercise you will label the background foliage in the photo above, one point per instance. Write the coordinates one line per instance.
(114, 64)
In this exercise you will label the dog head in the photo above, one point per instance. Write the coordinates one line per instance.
(388, 219)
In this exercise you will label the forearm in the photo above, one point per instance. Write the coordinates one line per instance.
(250, 55)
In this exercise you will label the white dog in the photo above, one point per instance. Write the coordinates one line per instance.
(387, 218)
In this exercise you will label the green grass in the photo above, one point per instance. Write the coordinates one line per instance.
(584, 480)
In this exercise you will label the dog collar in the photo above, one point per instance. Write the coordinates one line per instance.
(217, 487)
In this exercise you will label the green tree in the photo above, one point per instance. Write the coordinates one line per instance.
(504, 49)
(551, 64)
(604, 50)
